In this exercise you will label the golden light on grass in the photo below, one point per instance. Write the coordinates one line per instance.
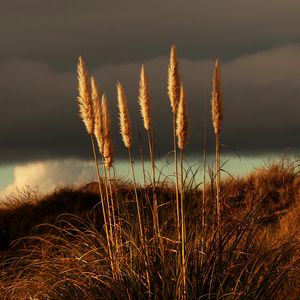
(125, 127)
(144, 99)
(99, 134)
(253, 253)
(174, 93)
(217, 118)
(107, 147)
(84, 98)
(173, 80)
(98, 128)
(217, 101)
(181, 121)
(182, 138)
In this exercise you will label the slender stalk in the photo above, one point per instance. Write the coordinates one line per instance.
(217, 117)
(98, 133)
(176, 176)
(155, 205)
(112, 224)
(152, 158)
(110, 202)
(100, 189)
(182, 135)
(204, 166)
(103, 206)
(142, 158)
(116, 198)
(136, 195)
(107, 200)
(174, 94)
(183, 233)
(218, 178)
(117, 224)
(203, 221)
(144, 100)
(140, 223)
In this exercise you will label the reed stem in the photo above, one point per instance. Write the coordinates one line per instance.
(136, 196)
(176, 176)
(142, 158)
(218, 178)
(183, 233)
(102, 200)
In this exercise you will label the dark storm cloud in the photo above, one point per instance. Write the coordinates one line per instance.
(132, 31)
(41, 41)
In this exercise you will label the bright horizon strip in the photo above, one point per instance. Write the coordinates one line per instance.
(234, 166)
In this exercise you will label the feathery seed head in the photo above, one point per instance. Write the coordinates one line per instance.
(98, 128)
(144, 99)
(125, 127)
(107, 140)
(217, 100)
(86, 109)
(181, 120)
(173, 80)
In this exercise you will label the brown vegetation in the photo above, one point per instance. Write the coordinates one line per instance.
(232, 239)
(67, 256)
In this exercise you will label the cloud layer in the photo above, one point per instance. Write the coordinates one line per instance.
(258, 43)
(45, 176)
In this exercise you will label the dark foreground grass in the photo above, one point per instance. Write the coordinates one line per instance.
(55, 247)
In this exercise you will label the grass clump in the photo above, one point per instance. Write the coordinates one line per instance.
(113, 239)
(69, 259)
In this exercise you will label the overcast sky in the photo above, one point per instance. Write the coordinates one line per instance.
(257, 41)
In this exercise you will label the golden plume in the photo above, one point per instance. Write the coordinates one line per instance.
(86, 108)
(98, 127)
(217, 101)
(107, 147)
(173, 80)
(144, 99)
(181, 120)
(124, 116)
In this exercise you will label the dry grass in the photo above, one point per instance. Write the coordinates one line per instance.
(98, 128)
(173, 80)
(84, 99)
(144, 99)
(144, 243)
(181, 121)
(217, 99)
(242, 259)
(217, 119)
(125, 126)
(107, 147)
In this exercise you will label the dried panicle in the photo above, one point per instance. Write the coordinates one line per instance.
(107, 147)
(181, 120)
(124, 116)
(86, 108)
(173, 80)
(217, 101)
(144, 99)
(98, 128)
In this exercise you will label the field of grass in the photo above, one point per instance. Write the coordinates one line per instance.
(54, 246)
(172, 238)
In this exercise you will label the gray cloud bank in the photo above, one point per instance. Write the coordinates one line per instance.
(258, 44)
(118, 31)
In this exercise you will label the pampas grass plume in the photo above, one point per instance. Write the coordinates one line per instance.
(86, 108)
(217, 101)
(107, 147)
(173, 80)
(98, 128)
(144, 99)
(181, 120)
(125, 127)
